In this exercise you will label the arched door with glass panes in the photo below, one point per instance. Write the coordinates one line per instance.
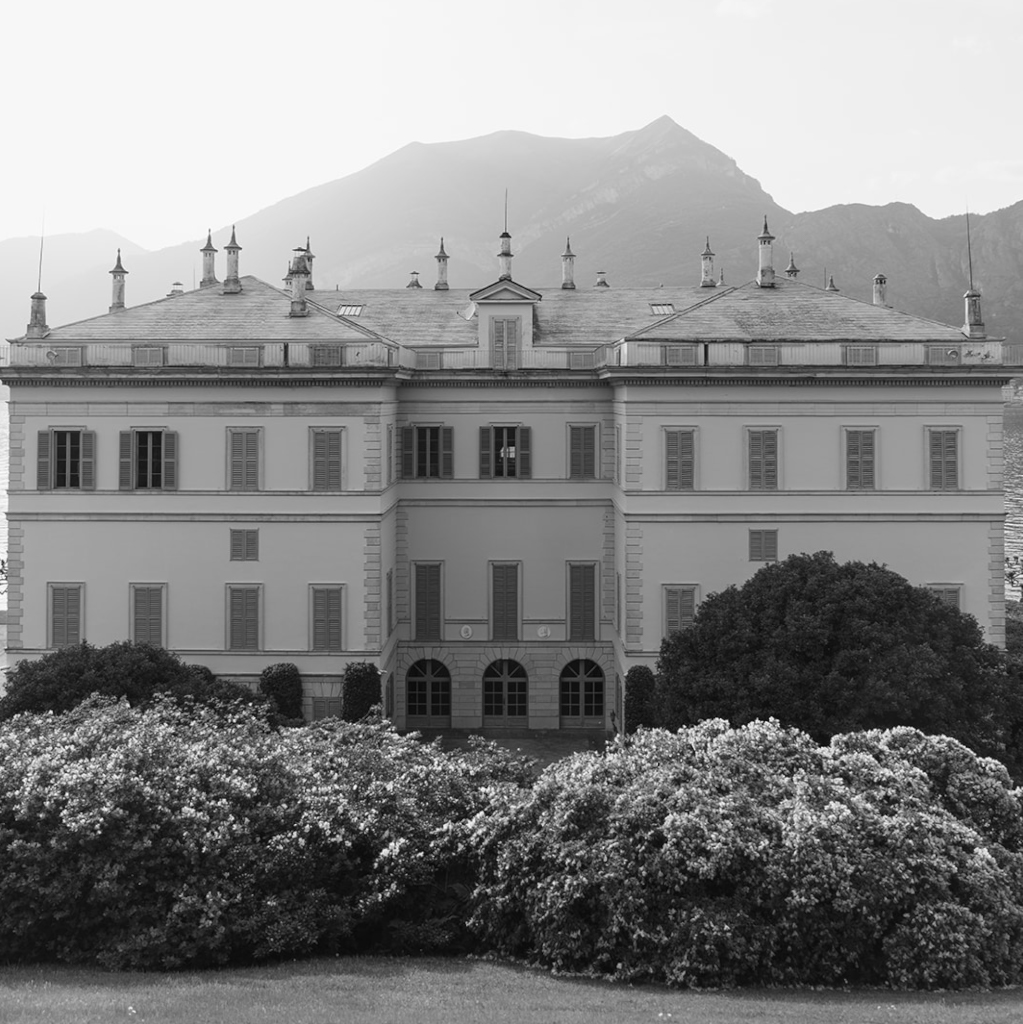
(582, 695)
(505, 687)
(428, 695)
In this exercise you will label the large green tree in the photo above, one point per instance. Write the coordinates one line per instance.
(831, 648)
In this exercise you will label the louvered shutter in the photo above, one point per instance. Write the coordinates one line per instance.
(125, 480)
(408, 452)
(680, 460)
(87, 476)
(320, 461)
(251, 545)
(944, 460)
(327, 619)
(770, 460)
(582, 453)
(251, 460)
(524, 455)
(170, 460)
(486, 452)
(860, 459)
(763, 460)
(44, 472)
(511, 344)
(237, 460)
(506, 601)
(427, 602)
(771, 545)
(680, 608)
(238, 538)
(756, 545)
(149, 615)
(447, 452)
(244, 610)
(497, 334)
(582, 602)
(65, 616)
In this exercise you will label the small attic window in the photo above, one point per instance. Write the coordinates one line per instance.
(662, 308)
(349, 310)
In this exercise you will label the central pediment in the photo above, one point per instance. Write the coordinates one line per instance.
(505, 291)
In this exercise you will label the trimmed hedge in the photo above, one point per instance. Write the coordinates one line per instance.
(639, 698)
(360, 690)
(283, 685)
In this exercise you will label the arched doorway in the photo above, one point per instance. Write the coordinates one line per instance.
(428, 695)
(505, 692)
(582, 695)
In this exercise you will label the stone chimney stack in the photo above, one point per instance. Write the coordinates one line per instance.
(299, 274)
(765, 275)
(974, 326)
(568, 267)
(309, 257)
(37, 327)
(413, 281)
(117, 298)
(601, 280)
(880, 290)
(442, 269)
(707, 267)
(232, 283)
(792, 270)
(832, 287)
(209, 276)
(504, 257)
(177, 288)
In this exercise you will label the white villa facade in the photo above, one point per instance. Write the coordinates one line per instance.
(505, 497)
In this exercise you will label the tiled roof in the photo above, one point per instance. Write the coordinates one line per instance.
(792, 311)
(259, 312)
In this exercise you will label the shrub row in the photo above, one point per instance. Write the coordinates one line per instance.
(167, 836)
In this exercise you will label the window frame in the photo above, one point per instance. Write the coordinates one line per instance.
(502, 346)
(249, 544)
(940, 590)
(128, 459)
(133, 590)
(749, 431)
(957, 431)
(51, 630)
(244, 488)
(497, 636)
(594, 430)
(424, 635)
(416, 441)
(761, 539)
(572, 612)
(46, 459)
(229, 589)
(690, 589)
(523, 452)
(847, 431)
(328, 588)
(694, 433)
(342, 462)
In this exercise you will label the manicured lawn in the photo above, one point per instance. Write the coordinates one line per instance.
(434, 991)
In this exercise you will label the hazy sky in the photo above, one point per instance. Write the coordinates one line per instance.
(157, 120)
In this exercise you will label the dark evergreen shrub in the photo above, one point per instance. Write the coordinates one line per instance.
(639, 698)
(283, 685)
(360, 690)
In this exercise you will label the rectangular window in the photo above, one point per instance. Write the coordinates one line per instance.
(428, 452)
(859, 460)
(147, 355)
(390, 454)
(65, 613)
(504, 343)
(327, 603)
(763, 460)
(327, 355)
(506, 452)
(427, 601)
(325, 455)
(763, 545)
(243, 618)
(243, 444)
(390, 601)
(66, 459)
(248, 355)
(763, 355)
(619, 479)
(949, 593)
(582, 453)
(148, 460)
(326, 707)
(66, 356)
(943, 456)
(244, 546)
(680, 459)
(680, 355)
(860, 355)
(618, 601)
(679, 608)
(505, 605)
(582, 602)
(147, 613)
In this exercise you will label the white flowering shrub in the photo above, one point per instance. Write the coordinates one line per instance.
(718, 856)
(168, 836)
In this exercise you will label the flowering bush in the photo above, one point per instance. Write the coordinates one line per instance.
(165, 836)
(718, 856)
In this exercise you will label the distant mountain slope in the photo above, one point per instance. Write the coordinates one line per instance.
(637, 205)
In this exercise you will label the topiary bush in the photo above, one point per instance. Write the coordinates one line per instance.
(360, 690)
(639, 698)
(752, 856)
(283, 685)
(63, 679)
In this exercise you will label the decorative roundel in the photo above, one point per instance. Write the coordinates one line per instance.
(466, 632)
(543, 632)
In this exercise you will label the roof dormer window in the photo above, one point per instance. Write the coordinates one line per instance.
(662, 308)
(349, 310)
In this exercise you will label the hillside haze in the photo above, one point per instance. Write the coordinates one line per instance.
(639, 206)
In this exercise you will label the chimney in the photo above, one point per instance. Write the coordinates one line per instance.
(880, 290)
(299, 274)
(832, 287)
(232, 285)
(442, 269)
(117, 299)
(601, 280)
(414, 280)
(792, 270)
(504, 257)
(765, 275)
(974, 326)
(37, 318)
(568, 267)
(707, 267)
(721, 278)
(209, 276)
(309, 257)
(177, 288)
